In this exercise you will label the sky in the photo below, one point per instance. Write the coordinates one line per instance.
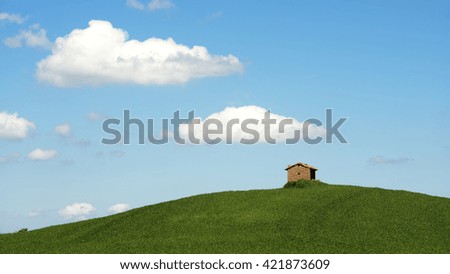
(67, 66)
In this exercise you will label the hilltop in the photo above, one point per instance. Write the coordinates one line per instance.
(316, 218)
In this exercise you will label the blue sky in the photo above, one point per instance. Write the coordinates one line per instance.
(382, 64)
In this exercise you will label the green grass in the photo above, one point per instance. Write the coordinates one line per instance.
(304, 184)
(325, 219)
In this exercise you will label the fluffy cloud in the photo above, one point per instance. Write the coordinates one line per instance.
(381, 160)
(152, 5)
(9, 158)
(102, 54)
(63, 130)
(42, 155)
(34, 37)
(118, 208)
(257, 114)
(13, 127)
(13, 18)
(77, 210)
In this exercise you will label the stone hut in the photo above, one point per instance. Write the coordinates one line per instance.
(301, 171)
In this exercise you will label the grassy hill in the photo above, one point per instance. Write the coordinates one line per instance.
(311, 219)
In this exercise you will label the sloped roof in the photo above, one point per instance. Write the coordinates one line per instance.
(301, 164)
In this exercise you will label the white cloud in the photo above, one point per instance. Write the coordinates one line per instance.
(94, 116)
(35, 213)
(13, 18)
(160, 5)
(13, 127)
(63, 130)
(250, 112)
(9, 158)
(42, 155)
(77, 210)
(118, 208)
(381, 160)
(102, 54)
(135, 4)
(34, 37)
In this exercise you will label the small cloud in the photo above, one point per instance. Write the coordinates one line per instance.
(381, 160)
(35, 213)
(9, 158)
(34, 37)
(117, 154)
(136, 4)
(94, 116)
(42, 155)
(79, 211)
(13, 18)
(160, 5)
(13, 127)
(118, 208)
(63, 130)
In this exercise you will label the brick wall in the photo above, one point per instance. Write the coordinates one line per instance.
(298, 173)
